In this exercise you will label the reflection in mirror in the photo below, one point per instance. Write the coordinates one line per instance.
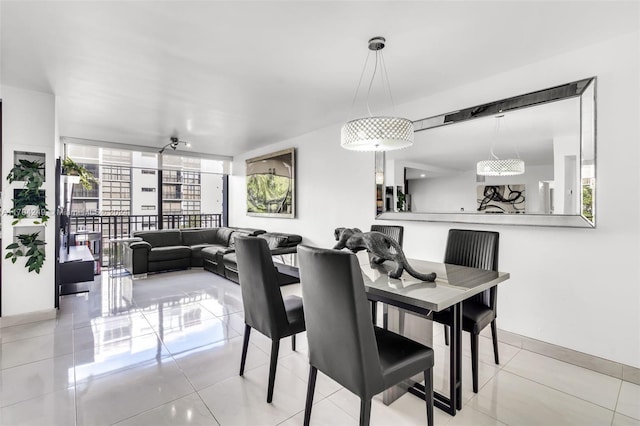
(552, 131)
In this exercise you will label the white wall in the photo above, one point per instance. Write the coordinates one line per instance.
(28, 124)
(459, 192)
(578, 288)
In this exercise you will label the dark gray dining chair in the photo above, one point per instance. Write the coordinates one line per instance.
(394, 231)
(475, 249)
(264, 307)
(343, 342)
(397, 233)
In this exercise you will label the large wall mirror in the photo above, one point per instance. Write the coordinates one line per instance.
(551, 135)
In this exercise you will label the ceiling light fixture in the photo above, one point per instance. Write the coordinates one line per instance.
(376, 133)
(496, 166)
(174, 144)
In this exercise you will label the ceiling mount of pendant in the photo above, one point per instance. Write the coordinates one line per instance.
(377, 43)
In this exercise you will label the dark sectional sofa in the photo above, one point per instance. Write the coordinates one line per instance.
(212, 248)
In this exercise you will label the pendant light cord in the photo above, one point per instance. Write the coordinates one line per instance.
(384, 75)
(497, 133)
(364, 68)
(373, 76)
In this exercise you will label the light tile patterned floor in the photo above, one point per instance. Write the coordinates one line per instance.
(166, 351)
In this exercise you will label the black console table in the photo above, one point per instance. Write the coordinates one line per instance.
(76, 269)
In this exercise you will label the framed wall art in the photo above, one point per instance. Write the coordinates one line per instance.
(501, 199)
(271, 185)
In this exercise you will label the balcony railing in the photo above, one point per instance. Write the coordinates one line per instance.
(123, 226)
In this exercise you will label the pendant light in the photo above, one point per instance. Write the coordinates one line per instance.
(495, 166)
(376, 133)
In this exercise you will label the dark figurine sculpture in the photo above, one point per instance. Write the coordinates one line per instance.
(382, 247)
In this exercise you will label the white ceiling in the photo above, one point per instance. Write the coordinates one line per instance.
(232, 76)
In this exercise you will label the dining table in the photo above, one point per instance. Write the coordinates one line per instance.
(452, 286)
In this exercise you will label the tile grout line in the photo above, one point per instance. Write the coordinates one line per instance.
(617, 401)
(560, 391)
(566, 393)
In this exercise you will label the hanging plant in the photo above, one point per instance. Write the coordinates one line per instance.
(71, 168)
(31, 246)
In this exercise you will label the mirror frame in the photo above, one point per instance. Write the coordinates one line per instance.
(585, 89)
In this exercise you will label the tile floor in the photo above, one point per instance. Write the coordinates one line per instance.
(166, 351)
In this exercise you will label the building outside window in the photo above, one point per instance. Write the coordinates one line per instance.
(127, 181)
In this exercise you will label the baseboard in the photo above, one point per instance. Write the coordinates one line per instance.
(19, 319)
(591, 362)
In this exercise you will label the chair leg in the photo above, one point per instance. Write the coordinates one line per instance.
(293, 342)
(245, 346)
(446, 334)
(474, 360)
(365, 411)
(428, 394)
(311, 388)
(374, 312)
(494, 335)
(275, 346)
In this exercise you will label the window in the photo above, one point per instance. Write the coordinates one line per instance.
(190, 207)
(128, 179)
(115, 207)
(171, 176)
(191, 192)
(120, 190)
(116, 173)
(171, 192)
(172, 207)
(191, 177)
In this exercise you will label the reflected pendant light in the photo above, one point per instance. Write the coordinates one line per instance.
(500, 167)
(376, 133)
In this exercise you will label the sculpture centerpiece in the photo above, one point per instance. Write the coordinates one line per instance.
(382, 247)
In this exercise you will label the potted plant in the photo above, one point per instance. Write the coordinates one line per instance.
(31, 246)
(30, 172)
(71, 168)
(29, 203)
(401, 200)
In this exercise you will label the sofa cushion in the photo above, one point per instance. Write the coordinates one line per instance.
(230, 261)
(223, 235)
(160, 254)
(164, 238)
(254, 232)
(273, 241)
(232, 240)
(210, 251)
(192, 237)
(284, 240)
(196, 250)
